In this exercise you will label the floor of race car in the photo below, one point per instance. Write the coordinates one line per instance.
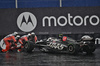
(38, 58)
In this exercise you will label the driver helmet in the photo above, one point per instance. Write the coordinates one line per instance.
(15, 33)
(29, 34)
(18, 37)
(60, 35)
(32, 33)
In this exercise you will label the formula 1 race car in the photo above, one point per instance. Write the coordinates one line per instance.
(66, 45)
(52, 44)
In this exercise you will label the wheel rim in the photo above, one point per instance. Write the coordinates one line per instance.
(71, 48)
(26, 46)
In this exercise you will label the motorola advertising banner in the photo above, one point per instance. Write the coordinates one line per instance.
(50, 20)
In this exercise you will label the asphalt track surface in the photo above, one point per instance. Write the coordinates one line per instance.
(38, 58)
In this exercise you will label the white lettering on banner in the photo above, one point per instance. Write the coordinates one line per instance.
(91, 18)
(49, 20)
(85, 18)
(69, 19)
(97, 41)
(82, 21)
(62, 17)
(27, 21)
(78, 17)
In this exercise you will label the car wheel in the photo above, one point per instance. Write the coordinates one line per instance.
(28, 47)
(90, 50)
(73, 49)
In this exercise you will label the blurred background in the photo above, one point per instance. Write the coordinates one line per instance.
(51, 3)
(47, 3)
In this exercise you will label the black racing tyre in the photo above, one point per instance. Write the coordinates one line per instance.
(28, 47)
(0, 49)
(93, 48)
(89, 50)
(73, 49)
